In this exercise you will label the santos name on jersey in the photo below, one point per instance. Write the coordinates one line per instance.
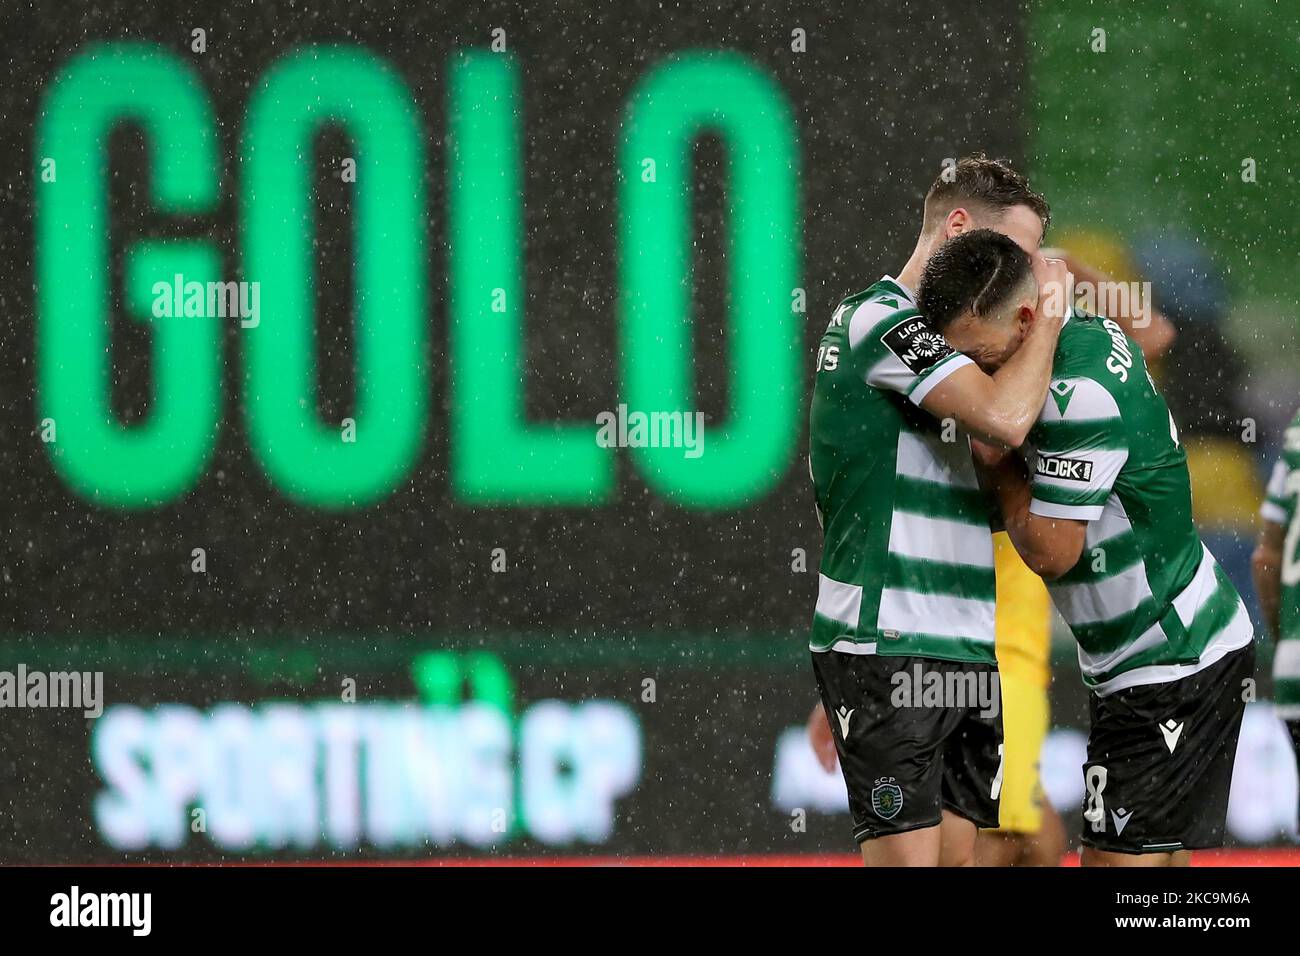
(1147, 602)
(907, 562)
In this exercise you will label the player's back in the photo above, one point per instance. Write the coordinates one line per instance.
(1146, 601)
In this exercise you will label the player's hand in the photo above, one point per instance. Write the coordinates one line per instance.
(821, 738)
(1055, 290)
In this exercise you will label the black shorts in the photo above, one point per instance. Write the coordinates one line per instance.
(908, 756)
(1160, 760)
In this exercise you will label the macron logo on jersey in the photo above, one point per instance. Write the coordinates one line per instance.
(1061, 393)
(916, 345)
(1066, 469)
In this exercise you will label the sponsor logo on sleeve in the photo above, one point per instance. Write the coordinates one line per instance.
(1065, 469)
(916, 345)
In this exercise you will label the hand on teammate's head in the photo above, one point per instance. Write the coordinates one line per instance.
(1055, 288)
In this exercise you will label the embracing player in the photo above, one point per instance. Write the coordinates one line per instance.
(906, 583)
(1100, 507)
(1030, 832)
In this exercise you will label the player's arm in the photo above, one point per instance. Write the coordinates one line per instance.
(1141, 321)
(1002, 408)
(822, 738)
(1049, 546)
(1081, 446)
(1266, 567)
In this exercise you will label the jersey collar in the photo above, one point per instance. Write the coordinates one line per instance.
(907, 293)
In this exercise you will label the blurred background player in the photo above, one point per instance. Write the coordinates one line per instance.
(1276, 566)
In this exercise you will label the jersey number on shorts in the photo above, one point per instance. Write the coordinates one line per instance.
(1096, 810)
(996, 790)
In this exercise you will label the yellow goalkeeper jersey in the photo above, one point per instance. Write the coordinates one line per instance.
(1023, 618)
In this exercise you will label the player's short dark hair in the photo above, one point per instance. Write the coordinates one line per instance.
(978, 180)
(977, 271)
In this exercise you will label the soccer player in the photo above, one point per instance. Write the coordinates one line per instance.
(1276, 566)
(906, 580)
(1030, 832)
(1101, 510)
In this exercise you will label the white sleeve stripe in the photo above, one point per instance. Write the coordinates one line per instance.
(1101, 457)
(870, 315)
(1106, 466)
(1277, 481)
(932, 377)
(1085, 400)
(889, 373)
(1049, 509)
(1272, 511)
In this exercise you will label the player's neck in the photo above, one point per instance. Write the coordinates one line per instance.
(910, 276)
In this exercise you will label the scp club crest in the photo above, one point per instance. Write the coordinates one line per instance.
(887, 798)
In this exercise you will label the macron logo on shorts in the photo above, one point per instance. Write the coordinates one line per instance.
(844, 716)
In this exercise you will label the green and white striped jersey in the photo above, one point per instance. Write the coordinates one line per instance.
(1147, 602)
(1282, 507)
(907, 562)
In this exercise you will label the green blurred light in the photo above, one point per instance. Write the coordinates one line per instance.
(305, 457)
(497, 456)
(99, 457)
(727, 95)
